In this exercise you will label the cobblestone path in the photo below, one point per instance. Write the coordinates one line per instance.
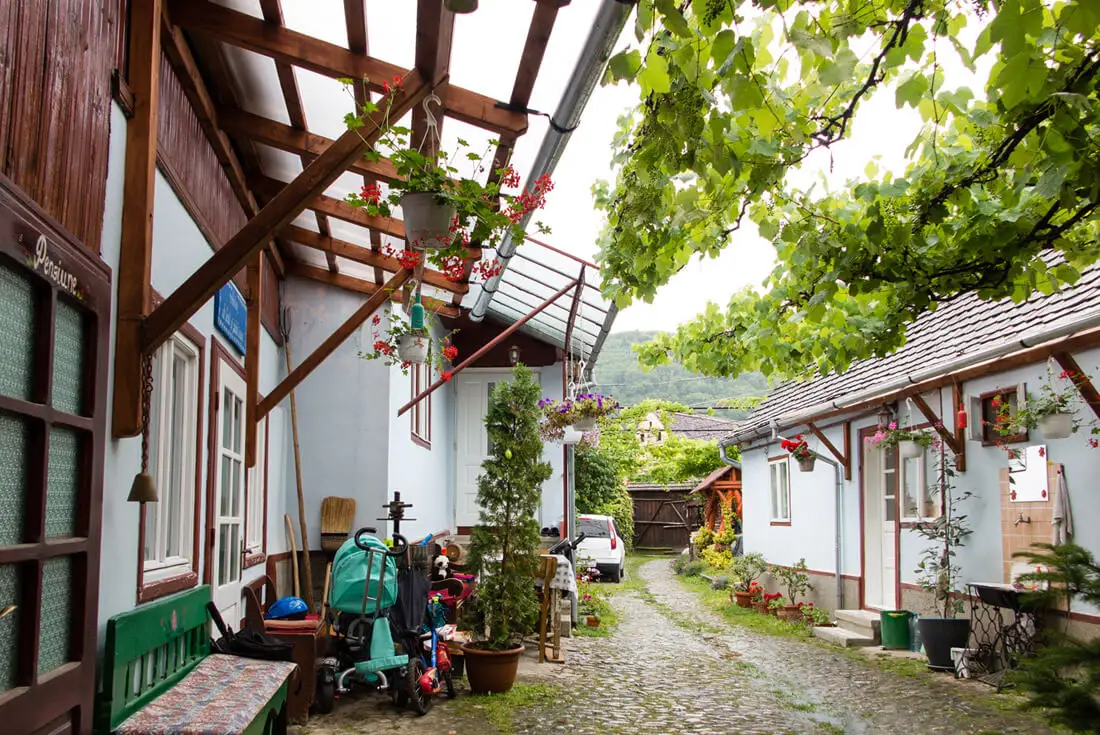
(675, 667)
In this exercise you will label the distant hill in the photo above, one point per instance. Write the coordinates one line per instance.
(618, 374)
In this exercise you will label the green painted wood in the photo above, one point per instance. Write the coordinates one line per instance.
(149, 650)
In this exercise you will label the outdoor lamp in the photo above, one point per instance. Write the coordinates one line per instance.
(884, 415)
(513, 355)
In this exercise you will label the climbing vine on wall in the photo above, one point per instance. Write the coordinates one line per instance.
(999, 196)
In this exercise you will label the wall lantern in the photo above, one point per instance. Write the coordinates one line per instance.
(884, 416)
(513, 355)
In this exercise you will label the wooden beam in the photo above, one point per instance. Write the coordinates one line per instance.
(366, 256)
(1082, 381)
(960, 432)
(337, 208)
(937, 424)
(434, 36)
(488, 346)
(844, 459)
(334, 340)
(282, 44)
(252, 358)
(280, 211)
(848, 449)
(358, 285)
(573, 311)
(135, 292)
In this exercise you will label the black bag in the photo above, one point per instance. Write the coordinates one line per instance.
(247, 643)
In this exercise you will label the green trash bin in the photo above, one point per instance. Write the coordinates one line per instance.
(894, 628)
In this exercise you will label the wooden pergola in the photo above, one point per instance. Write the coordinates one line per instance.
(192, 35)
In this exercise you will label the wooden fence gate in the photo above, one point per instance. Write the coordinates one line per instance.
(664, 516)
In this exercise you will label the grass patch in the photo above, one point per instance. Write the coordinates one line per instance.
(497, 709)
(719, 602)
(609, 619)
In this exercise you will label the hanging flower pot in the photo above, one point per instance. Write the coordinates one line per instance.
(1056, 425)
(588, 423)
(806, 464)
(413, 348)
(909, 449)
(427, 220)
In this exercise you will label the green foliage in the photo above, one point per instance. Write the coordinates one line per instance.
(999, 196)
(747, 569)
(504, 544)
(689, 568)
(938, 572)
(602, 490)
(619, 371)
(702, 538)
(1064, 675)
(794, 579)
(716, 559)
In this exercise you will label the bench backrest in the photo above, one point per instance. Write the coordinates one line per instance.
(150, 649)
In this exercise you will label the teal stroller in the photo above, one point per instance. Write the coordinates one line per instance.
(363, 589)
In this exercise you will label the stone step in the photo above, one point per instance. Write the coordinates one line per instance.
(863, 622)
(842, 637)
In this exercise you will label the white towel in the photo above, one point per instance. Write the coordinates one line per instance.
(1062, 517)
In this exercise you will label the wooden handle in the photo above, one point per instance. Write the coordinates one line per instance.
(293, 554)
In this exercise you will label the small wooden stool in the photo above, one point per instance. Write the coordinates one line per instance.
(549, 613)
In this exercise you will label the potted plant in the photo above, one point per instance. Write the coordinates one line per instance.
(797, 584)
(815, 616)
(442, 213)
(744, 571)
(1051, 411)
(800, 450)
(408, 343)
(938, 573)
(911, 443)
(504, 544)
(775, 603)
(581, 413)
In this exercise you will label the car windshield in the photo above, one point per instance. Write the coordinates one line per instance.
(593, 528)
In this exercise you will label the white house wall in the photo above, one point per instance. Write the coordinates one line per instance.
(553, 499)
(178, 250)
(343, 417)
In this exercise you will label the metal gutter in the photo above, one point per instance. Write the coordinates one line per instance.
(606, 27)
(1033, 338)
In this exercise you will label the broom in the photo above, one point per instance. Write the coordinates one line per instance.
(337, 515)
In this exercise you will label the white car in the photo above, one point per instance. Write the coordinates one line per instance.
(602, 546)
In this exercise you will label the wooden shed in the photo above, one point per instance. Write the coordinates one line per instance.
(720, 490)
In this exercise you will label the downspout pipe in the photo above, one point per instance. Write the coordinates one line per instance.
(838, 494)
(608, 24)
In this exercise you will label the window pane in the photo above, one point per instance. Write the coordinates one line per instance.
(227, 418)
(224, 552)
(151, 530)
(55, 613)
(910, 488)
(775, 490)
(14, 449)
(235, 498)
(238, 420)
(63, 482)
(224, 488)
(784, 493)
(17, 328)
(9, 626)
(68, 359)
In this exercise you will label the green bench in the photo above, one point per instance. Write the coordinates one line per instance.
(160, 677)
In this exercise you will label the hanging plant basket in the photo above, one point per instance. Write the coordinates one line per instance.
(806, 464)
(586, 424)
(414, 348)
(427, 220)
(1056, 425)
(910, 449)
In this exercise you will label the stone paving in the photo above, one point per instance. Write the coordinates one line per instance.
(673, 666)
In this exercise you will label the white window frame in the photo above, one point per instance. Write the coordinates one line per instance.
(165, 565)
(256, 494)
(920, 485)
(777, 467)
(420, 378)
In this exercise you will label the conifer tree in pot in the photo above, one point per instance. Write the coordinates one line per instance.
(504, 545)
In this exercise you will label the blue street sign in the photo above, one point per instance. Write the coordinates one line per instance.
(231, 315)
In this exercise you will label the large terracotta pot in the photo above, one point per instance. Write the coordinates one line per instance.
(744, 599)
(762, 608)
(789, 612)
(491, 672)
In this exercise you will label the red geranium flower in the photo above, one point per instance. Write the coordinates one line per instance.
(445, 375)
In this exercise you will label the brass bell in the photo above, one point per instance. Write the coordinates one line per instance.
(143, 490)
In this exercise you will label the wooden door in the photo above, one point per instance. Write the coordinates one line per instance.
(226, 514)
(54, 312)
(880, 528)
(474, 389)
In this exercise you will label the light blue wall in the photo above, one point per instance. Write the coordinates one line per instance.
(553, 500)
(425, 476)
(178, 250)
(343, 417)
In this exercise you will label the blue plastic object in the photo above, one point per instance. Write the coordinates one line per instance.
(288, 608)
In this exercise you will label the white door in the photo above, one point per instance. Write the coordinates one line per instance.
(880, 528)
(229, 542)
(474, 389)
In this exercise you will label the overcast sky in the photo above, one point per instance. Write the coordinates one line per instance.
(486, 51)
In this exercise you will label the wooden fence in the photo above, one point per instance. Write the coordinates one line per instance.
(664, 517)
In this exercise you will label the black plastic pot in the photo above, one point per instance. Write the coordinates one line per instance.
(940, 635)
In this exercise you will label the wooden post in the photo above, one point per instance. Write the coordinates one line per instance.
(306, 566)
(334, 340)
(136, 255)
(490, 345)
(252, 358)
(1084, 384)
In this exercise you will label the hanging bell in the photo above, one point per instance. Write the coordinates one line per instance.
(416, 314)
(143, 490)
(460, 6)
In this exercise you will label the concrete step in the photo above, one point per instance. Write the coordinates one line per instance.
(842, 637)
(863, 622)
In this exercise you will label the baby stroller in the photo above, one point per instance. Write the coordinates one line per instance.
(363, 591)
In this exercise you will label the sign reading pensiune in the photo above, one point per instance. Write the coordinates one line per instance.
(231, 315)
(43, 261)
